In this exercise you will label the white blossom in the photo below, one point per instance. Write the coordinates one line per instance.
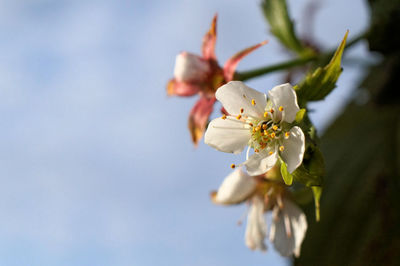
(262, 125)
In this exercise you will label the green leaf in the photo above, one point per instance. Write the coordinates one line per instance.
(312, 170)
(276, 12)
(317, 85)
(300, 115)
(287, 177)
(317, 191)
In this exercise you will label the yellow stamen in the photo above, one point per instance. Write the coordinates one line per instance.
(253, 102)
(264, 126)
(287, 134)
(270, 153)
(281, 148)
(233, 166)
(272, 135)
(275, 127)
(281, 108)
(241, 110)
(223, 117)
(265, 114)
(258, 128)
(238, 117)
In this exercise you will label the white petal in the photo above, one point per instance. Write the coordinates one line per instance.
(236, 187)
(294, 149)
(236, 95)
(261, 162)
(256, 228)
(226, 135)
(285, 96)
(190, 67)
(285, 245)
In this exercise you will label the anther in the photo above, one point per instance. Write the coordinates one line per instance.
(264, 126)
(281, 108)
(241, 110)
(251, 124)
(275, 127)
(266, 114)
(223, 117)
(270, 153)
(238, 117)
(281, 148)
(272, 135)
(256, 150)
(258, 128)
(287, 134)
(253, 102)
(271, 111)
(233, 166)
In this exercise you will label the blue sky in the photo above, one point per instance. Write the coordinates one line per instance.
(97, 167)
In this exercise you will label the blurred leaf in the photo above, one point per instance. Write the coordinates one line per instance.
(276, 12)
(300, 115)
(317, 85)
(312, 170)
(287, 177)
(317, 191)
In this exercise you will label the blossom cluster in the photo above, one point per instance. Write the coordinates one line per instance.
(280, 141)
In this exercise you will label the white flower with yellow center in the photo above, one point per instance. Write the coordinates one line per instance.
(261, 124)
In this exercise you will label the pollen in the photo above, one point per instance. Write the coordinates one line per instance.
(223, 117)
(241, 110)
(281, 148)
(281, 108)
(273, 135)
(233, 166)
(266, 114)
(253, 102)
(238, 117)
(287, 134)
(275, 127)
(264, 126)
(270, 153)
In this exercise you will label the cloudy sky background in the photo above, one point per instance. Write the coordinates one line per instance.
(97, 167)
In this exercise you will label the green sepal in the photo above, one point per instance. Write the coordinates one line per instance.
(300, 115)
(317, 85)
(277, 14)
(312, 170)
(317, 191)
(287, 177)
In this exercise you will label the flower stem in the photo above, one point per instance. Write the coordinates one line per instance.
(245, 75)
(272, 68)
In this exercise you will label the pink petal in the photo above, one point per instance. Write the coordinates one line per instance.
(198, 117)
(178, 88)
(209, 40)
(231, 64)
(191, 68)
